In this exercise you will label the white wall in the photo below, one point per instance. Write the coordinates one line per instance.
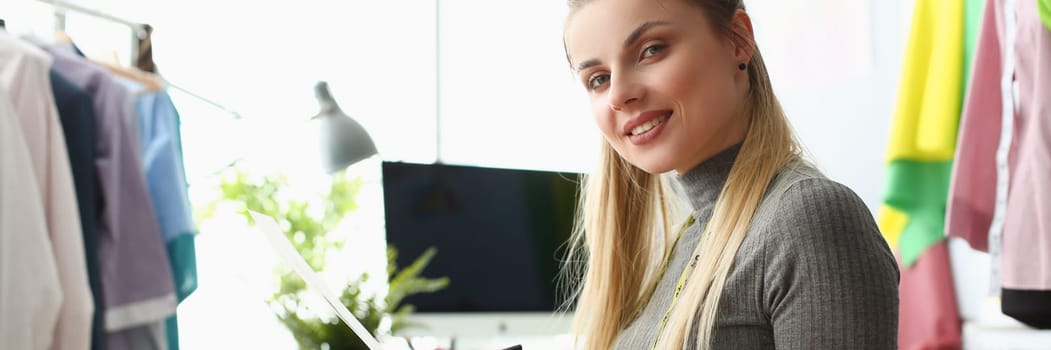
(508, 97)
(837, 77)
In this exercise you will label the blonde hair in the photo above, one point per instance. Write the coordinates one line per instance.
(624, 211)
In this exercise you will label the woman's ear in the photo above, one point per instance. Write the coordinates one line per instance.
(743, 37)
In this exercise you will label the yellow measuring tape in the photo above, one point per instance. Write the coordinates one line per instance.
(663, 268)
(682, 277)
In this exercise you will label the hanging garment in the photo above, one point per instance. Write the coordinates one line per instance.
(162, 162)
(166, 176)
(151, 336)
(1004, 205)
(25, 74)
(160, 149)
(136, 276)
(30, 292)
(162, 157)
(972, 197)
(920, 151)
(77, 114)
(1026, 266)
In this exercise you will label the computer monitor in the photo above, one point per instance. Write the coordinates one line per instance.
(500, 233)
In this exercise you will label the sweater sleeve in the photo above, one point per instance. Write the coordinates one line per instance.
(830, 280)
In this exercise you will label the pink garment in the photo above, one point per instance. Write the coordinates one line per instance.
(1026, 250)
(972, 192)
(934, 322)
(24, 73)
(1027, 226)
(30, 293)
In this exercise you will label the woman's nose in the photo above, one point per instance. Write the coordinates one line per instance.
(624, 93)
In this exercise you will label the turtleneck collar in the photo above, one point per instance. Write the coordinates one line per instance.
(703, 183)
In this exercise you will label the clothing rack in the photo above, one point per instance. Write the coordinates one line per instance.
(138, 32)
(61, 7)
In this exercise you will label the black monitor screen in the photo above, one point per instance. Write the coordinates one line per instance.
(499, 233)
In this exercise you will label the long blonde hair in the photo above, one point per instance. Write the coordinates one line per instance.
(627, 215)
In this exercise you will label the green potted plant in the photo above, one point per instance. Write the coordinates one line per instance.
(308, 232)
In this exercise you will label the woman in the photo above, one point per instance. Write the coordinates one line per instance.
(773, 255)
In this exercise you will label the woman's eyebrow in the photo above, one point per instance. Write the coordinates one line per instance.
(630, 40)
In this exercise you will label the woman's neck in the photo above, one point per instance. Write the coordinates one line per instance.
(704, 182)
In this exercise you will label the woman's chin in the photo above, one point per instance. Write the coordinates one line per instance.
(654, 165)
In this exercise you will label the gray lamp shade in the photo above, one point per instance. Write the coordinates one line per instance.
(343, 141)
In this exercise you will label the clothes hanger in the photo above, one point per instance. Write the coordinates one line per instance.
(149, 81)
(62, 37)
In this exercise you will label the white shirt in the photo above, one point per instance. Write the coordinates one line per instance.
(30, 293)
(24, 74)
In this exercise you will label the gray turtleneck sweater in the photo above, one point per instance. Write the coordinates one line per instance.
(813, 271)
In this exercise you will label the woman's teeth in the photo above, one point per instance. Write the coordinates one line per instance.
(638, 130)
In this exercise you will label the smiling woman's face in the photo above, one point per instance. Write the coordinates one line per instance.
(664, 86)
